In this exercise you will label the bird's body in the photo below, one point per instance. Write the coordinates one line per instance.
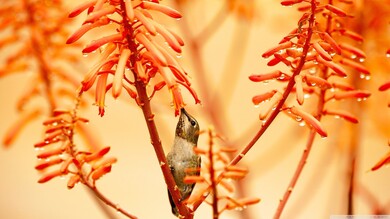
(182, 156)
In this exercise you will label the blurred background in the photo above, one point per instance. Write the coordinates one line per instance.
(224, 42)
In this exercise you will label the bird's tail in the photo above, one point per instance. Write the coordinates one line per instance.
(175, 211)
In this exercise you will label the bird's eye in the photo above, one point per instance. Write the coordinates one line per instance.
(193, 123)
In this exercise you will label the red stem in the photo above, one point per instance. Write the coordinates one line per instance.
(85, 181)
(108, 201)
(297, 173)
(212, 176)
(309, 144)
(286, 93)
(144, 103)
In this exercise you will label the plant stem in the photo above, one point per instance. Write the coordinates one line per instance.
(280, 104)
(286, 93)
(144, 102)
(212, 176)
(309, 144)
(85, 181)
(108, 201)
(296, 175)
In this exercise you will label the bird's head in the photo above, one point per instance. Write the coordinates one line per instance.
(187, 127)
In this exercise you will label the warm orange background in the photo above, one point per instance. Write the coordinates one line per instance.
(136, 182)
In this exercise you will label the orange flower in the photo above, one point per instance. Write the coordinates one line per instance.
(385, 160)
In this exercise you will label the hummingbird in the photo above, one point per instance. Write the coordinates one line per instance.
(182, 156)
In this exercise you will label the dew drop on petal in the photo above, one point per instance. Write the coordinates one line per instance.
(239, 208)
(362, 76)
(353, 56)
(179, 56)
(85, 54)
(302, 124)
(362, 59)
(306, 96)
(298, 119)
(388, 55)
(257, 105)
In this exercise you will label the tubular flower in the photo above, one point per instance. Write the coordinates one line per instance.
(37, 36)
(59, 156)
(133, 47)
(316, 60)
(216, 178)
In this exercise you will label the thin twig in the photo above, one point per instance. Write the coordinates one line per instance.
(286, 93)
(108, 201)
(85, 181)
(212, 176)
(310, 141)
(213, 25)
(296, 175)
(280, 104)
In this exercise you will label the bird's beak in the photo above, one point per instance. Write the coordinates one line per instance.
(183, 111)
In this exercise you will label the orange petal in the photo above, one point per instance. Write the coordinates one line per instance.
(357, 66)
(48, 176)
(119, 73)
(264, 77)
(82, 7)
(309, 119)
(321, 51)
(145, 21)
(96, 15)
(100, 172)
(279, 47)
(299, 89)
(342, 114)
(336, 10)
(48, 162)
(102, 41)
(157, 55)
(161, 8)
(263, 97)
(360, 94)
(325, 36)
(384, 86)
(97, 155)
(73, 180)
(384, 160)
